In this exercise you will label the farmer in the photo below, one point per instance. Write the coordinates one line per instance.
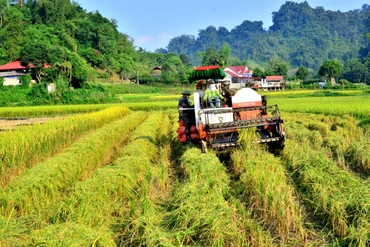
(186, 115)
(212, 95)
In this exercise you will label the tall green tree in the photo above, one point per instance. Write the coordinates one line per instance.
(224, 54)
(257, 72)
(302, 73)
(211, 57)
(35, 55)
(173, 70)
(277, 66)
(12, 32)
(331, 69)
(355, 71)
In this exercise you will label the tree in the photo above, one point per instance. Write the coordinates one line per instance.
(224, 54)
(355, 71)
(79, 69)
(173, 69)
(302, 73)
(35, 55)
(12, 32)
(211, 57)
(257, 72)
(277, 66)
(331, 69)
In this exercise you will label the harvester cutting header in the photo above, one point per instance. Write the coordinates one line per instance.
(221, 110)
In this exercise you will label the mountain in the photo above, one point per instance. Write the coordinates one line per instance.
(300, 35)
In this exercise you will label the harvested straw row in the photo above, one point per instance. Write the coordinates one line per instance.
(357, 155)
(200, 215)
(266, 190)
(335, 196)
(143, 225)
(45, 184)
(24, 147)
(107, 201)
(344, 141)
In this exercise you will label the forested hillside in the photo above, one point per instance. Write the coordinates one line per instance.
(62, 34)
(83, 46)
(300, 35)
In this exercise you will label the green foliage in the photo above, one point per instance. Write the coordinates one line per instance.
(35, 54)
(355, 71)
(257, 72)
(300, 35)
(25, 80)
(1, 82)
(302, 73)
(211, 57)
(331, 68)
(277, 66)
(38, 94)
(79, 70)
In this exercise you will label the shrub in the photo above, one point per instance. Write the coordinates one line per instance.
(25, 80)
(38, 94)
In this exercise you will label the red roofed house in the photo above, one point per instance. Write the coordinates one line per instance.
(239, 74)
(12, 71)
(275, 82)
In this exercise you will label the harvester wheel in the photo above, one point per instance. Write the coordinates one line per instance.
(204, 146)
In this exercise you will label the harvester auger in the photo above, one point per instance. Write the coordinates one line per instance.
(219, 127)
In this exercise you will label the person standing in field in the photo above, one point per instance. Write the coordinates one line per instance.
(212, 95)
(186, 115)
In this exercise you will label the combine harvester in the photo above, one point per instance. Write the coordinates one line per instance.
(219, 127)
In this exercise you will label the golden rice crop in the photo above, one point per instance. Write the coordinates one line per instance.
(336, 197)
(357, 155)
(356, 106)
(266, 189)
(113, 193)
(154, 106)
(69, 234)
(47, 111)
(45, 184)
(199, 214)
(22, 148)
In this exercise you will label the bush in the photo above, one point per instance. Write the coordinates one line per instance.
(25, 80)
(38, 94)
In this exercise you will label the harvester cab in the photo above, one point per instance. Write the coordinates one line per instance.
(218, 127)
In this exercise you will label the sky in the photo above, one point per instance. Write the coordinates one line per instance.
(152, 24)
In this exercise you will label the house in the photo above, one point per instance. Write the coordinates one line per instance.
(13, 70)
(157, 71)
(238, 74)
(275, 82)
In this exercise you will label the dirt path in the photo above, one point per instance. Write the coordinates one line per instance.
(9, 124)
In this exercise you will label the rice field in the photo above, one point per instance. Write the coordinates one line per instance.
(116, 175)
